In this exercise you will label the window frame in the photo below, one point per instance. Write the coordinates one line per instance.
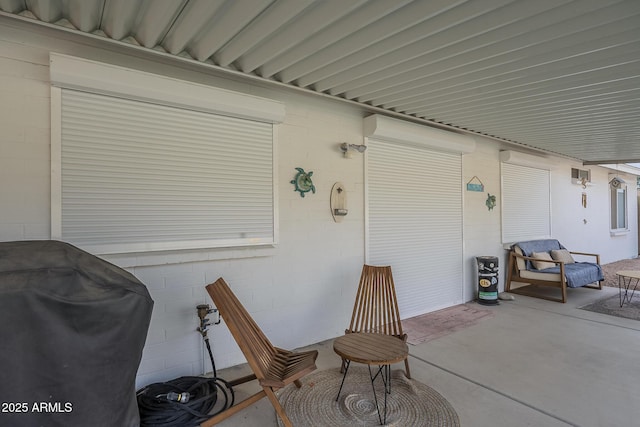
(616, 195)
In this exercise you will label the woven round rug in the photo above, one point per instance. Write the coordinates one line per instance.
(410, 403)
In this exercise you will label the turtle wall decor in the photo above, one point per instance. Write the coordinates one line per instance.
(302, 182)
(491, 201)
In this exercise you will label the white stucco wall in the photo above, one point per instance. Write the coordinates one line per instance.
(588, 229)
(300, 292)
(481, 226)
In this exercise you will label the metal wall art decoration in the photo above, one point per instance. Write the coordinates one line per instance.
(302, 182)
(475, 184)
(491, 201)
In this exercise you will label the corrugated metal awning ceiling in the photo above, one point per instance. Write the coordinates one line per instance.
(559, 75)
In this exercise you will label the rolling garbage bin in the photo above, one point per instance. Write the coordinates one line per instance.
(487, 280)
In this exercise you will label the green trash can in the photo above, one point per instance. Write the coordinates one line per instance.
(487, 280)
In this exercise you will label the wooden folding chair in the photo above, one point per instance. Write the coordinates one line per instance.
(273, 367)
(376, 307)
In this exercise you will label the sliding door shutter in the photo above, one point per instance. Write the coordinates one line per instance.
(415, 223)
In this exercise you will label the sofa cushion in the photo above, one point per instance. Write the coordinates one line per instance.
(519, 261)
(562, 255)
(541, 245)
(540, 275)
(540, 261)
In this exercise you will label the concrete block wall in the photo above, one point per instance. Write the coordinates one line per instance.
(25, 134)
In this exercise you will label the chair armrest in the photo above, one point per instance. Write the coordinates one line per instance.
(597, 256)
(560, 264)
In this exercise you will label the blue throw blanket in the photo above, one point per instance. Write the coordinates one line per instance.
(578, 274)
(543, 245)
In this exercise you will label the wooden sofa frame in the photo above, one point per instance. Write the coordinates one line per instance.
(513, 275)
(273, 367)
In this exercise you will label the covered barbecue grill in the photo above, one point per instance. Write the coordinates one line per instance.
(72, 328)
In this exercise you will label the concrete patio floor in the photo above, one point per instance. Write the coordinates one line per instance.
(534, 363)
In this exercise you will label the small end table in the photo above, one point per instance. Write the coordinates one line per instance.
(372, 349)
(625, 279)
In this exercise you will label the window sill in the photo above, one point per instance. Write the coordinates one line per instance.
(183, 256)
(619, 232)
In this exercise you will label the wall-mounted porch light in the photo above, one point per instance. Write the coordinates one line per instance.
(347, 149)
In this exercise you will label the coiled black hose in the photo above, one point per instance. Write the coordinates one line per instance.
(156, 410)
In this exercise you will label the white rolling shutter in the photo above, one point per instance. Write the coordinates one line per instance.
(139, 176)
(415, 223)
(526, 203)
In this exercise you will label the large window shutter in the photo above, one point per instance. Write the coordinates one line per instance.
(137, 174)
(526, 205)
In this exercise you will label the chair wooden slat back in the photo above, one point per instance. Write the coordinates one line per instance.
(255, 346)
(376, 306)
(273, 367)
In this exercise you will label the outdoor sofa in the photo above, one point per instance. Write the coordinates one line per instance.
(546, 263)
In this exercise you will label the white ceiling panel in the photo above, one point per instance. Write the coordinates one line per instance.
(558, 75)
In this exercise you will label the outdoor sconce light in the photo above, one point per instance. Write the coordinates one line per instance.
(347, 149)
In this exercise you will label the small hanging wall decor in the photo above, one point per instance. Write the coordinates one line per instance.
(302, 182)
(491, 201)
(475, 184)
(338, 202)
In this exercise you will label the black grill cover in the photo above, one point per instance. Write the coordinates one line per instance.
(72, 330)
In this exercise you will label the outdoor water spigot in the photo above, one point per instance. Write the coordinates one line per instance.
(203, 311)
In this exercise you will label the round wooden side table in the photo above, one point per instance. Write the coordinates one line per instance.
(372, 349)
